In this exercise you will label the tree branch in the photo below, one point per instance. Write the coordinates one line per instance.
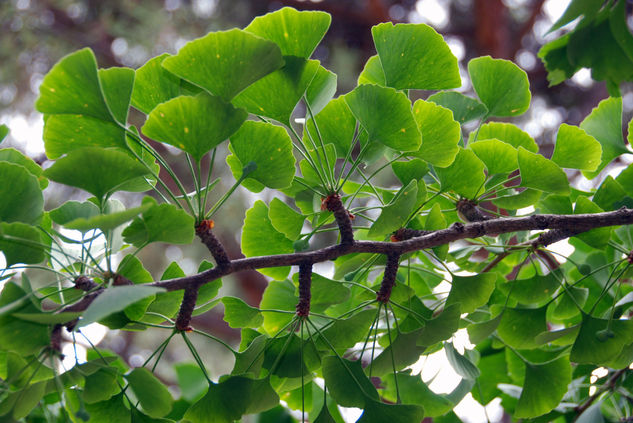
(566, 225)
(458, 231)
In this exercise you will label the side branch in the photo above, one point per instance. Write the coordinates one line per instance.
(203, 230)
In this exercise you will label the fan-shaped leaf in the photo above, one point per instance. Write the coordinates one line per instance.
(414, 56)
(501, 85)
(270, 148)
(226, 62)
(386, 116)
(440, 133)
(296, 33)
(21, 198)
(540, 173)
(194, 124)
(465, 175)
(96, 170)
(576, 149)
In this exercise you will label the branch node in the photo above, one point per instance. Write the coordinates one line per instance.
(120, 280)
(305, 282)
(403, 234)
(469, 212)
(334, 204)
(203, 231)
(85, 283)
(186, 309)
(389, 278)
(458, 227)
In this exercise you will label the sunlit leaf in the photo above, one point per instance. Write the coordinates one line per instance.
(115, 299)
(96, 170)
(21, 198)
(540, 173)
(386, 116)
(464, 108)
(440, 133)
(465, 175)
(194, 124)
(394, 215)
(501, 85)
(576, 149)
(225, 62)
(414, 56)
(270, 148)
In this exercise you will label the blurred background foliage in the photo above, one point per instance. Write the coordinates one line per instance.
(37, 33)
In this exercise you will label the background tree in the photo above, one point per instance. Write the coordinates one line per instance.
(423, 203)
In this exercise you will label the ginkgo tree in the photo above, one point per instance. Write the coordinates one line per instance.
(469, 202)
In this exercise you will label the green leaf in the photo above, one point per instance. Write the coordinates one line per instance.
(336, 124)
(238, 314)
(20, 195)
(465, 175)
(441, 327)
(191, 381)
(345, 333)
(440, 133)
(501, 85)
(4, 131)
(519, 326)
(600, 340)
(609, 194)
(321, 90)
(460, 363)
(464, 108)
(414, 391)
(28, 399)
(194, 124)
(575, 149)
(326, 292)
(471, 291)
(346, 382)
(12, 155)
(604, 123)
(270, 148)
(115, 299)
(598, 237)
(105, 222)
(151, 393)
(229, 400)
(225, 62)
(414, 56)
(525, 198)
(277, 94)
(478, 332)
(540, 173)
(65, 133)
(507, 133)
(534, 290)
(259, 237)
(21, 243)
(575, 9)
(154, 85)
(17, 335)
(379, 412)
(435, 220)
(96, 170)
(101, 385)
(48, 318)
(544, 387)
(278, 296)
(285, 219)
(498, 156)
(296, 33)
(112, 410)
(160, 223)
(72, 87)
(116, 85)
(386, 116)
(372, 72)
(566, 306)
(394, 215)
